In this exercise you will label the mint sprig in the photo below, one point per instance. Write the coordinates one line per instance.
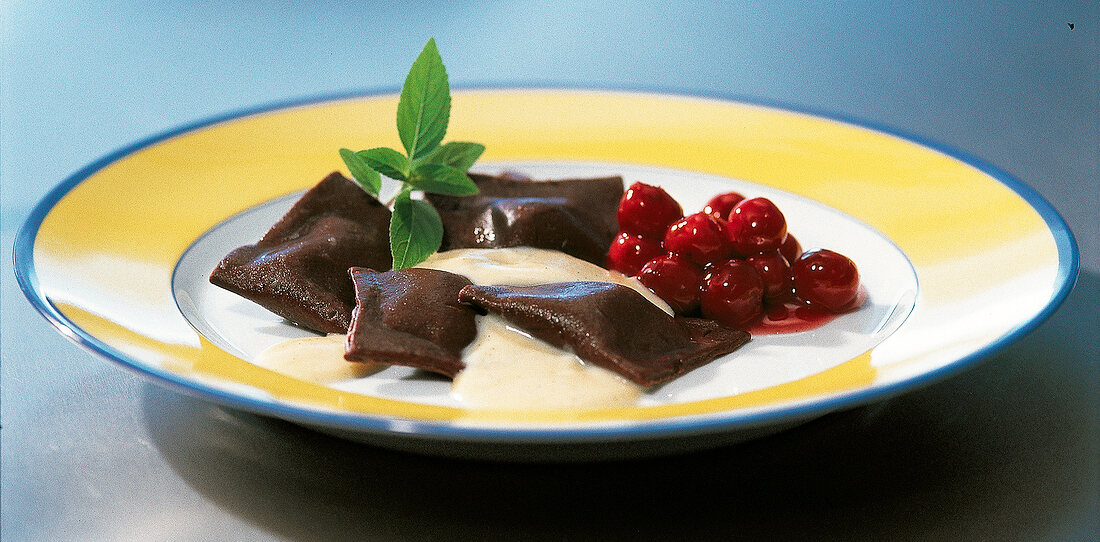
(416, 231)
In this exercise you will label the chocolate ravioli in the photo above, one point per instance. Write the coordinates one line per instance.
(299, 270)
(410, 317)
(610, 325)
(575, 216)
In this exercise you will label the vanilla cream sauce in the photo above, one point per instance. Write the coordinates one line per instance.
(316, 359)
(526, 266)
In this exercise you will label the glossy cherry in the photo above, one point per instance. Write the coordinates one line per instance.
(647, 211)
(733, 293)
(826, 279)
(720, 206)
(629, 252)
(700, 238)
(756, 225)
(776, 273)
(790, 249)
(674, 279)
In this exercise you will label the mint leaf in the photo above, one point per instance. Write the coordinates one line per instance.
(416, 231)
(441, 179)
(386, 161)
(425, 105)
(457, 154)
(363, 174)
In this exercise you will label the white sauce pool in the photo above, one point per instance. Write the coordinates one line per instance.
(316, 359)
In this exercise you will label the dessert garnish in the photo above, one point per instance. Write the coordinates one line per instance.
(423, 112)
(827, 279)
(733, 262)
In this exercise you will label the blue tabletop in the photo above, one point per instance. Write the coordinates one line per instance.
(1006, 451)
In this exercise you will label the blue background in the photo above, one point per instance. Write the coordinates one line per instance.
(1006, 451)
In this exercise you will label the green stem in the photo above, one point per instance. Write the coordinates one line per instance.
(406, 188)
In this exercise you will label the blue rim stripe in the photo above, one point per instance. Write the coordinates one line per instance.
(1068, 256)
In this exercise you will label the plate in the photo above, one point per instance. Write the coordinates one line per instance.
(117, 256)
